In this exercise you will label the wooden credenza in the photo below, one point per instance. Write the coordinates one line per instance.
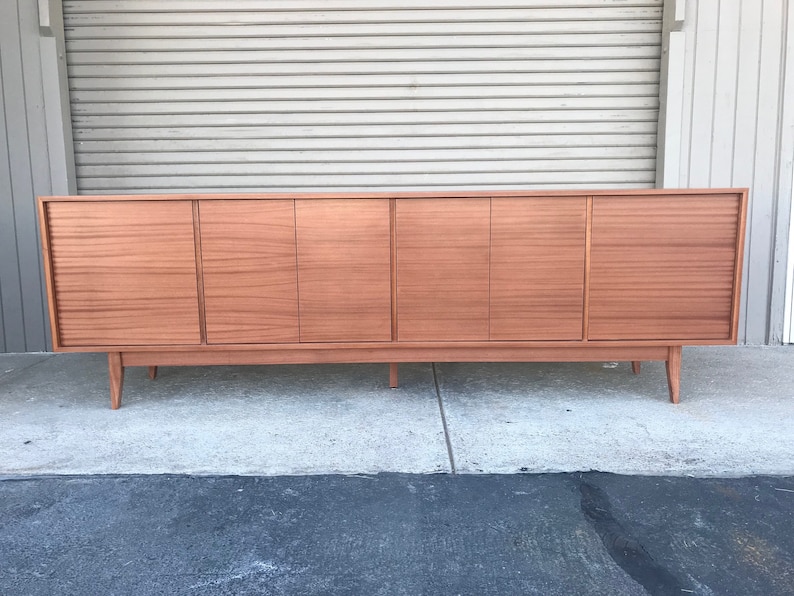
(157, 280)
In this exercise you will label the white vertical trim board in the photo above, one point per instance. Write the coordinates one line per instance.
(672, 90)
(788, 322)
(784, 240)
(257, 95)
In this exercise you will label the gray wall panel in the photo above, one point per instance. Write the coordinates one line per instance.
(9, 281)
(35, 163)
(25, 172)
(13, 110)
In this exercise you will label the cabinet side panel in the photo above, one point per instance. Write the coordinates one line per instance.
(44, 230)
(250, 280)
(442, 269)
(344, 269)
(662, 267)
(124, 273)
(537, 268)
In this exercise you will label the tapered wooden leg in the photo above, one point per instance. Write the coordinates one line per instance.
(152, 372)
(116, 379)
(393, 375)
(673, 365)
(635, 366)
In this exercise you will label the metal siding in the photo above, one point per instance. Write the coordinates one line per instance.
(24, 172)
(36, 182)
(732, 135)
(179, 95)
(9, 304)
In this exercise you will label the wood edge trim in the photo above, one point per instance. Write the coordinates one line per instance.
(588, 243)
(739, 265)
(404, 346)
(49, 273)
(202, 312)
(400, 195)
(395, 356)
(393, 264)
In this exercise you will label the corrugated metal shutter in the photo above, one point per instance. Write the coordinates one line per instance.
(261, 95)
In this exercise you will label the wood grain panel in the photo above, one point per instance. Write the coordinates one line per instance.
(442, 269)
(124, 273)
(662, 267)
(537, 268)
(344, 270)
(250, 275)
(395, 352)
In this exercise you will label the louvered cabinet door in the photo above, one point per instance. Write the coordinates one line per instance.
(250, 275)
(123, 273)
(537, 268)
(344, 269)
(442, 269)
(663, 267)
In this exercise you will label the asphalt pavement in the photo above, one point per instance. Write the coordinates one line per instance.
(394, 534)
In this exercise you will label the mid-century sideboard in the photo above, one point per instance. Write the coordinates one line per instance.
(204, 279)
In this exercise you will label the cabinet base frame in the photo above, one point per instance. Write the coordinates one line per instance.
(393, 354)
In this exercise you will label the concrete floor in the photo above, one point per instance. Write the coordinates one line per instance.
(736, 418)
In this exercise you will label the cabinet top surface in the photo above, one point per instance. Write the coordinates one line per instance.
(449, 194)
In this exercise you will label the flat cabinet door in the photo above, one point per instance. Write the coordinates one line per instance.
(662, 267)
(442, 269)
(537, 268)
(344, 269)
(124, 273)
(250, 274)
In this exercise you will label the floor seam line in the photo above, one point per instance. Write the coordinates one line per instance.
(447, 439)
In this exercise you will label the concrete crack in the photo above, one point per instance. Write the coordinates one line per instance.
(444, 420)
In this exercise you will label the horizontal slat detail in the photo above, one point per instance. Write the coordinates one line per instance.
(372, 66)
(543, 131)
(278, 56)
(248, 95)
(313, 149)
(538, 40)
(363, 14)
(531, 105)
(385, 167)
(373, 118)
(413, 180)
(410, 186)
(409, 81)
(342, 155)
(395, 28)
(74, 7)
(645, 93)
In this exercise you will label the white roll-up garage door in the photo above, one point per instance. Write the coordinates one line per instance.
(269, 95)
